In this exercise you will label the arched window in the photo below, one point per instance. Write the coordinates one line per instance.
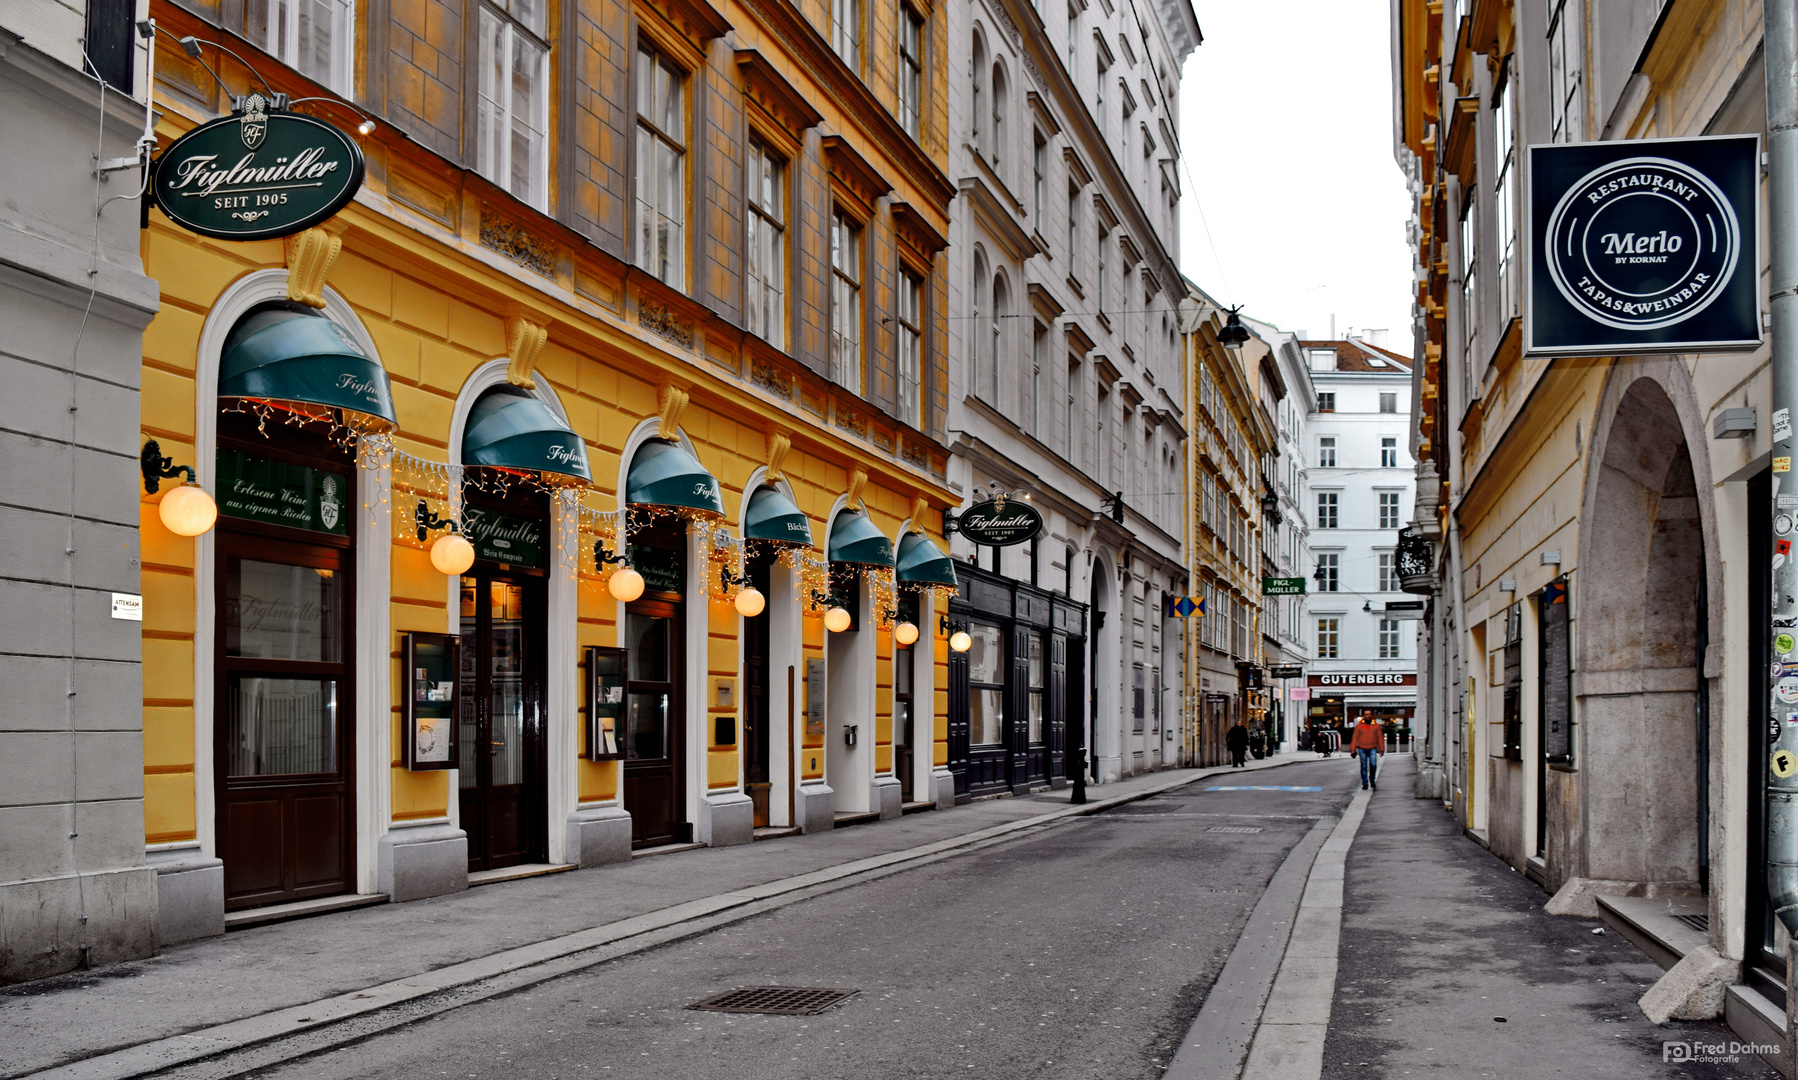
(977, 286)
(1001, 309)
(976, 113)
(997, 150)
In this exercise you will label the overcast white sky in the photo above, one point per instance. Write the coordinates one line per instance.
(1286, 124)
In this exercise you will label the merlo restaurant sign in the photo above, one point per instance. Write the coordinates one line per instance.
(503, 538)
(1643, 246)
(999, 524)
(260, 173)
(278, 493)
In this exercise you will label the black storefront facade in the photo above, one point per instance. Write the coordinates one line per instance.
(1017, 694)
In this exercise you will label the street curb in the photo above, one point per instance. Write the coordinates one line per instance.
(169, 1052)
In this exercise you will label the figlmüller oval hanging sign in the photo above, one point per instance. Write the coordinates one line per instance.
(257, 174)
(999, 524)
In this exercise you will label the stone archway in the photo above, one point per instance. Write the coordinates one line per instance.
(1638, 593)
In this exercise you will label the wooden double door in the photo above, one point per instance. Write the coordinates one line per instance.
(283, 736)
(502, 799)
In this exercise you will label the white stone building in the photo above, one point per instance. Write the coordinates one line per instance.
(1065, 379)
(1359, 484)
(1286, 534)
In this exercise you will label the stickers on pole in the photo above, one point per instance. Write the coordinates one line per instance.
(1785, 763)
(1782, 424)
(1784, 643)
(1786, 689)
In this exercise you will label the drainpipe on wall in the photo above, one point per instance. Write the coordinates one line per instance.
(1780, 30)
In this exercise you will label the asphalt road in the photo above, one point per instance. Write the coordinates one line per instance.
(1078, 951)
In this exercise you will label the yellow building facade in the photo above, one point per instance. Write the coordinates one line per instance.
(474, 293)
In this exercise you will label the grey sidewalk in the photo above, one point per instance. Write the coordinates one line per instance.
(1440, 939)
(257, 971)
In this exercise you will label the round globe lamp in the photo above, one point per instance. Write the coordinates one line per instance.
(452, 554)
(750, 602)
(626, 584)
(961, 641)
(905, 633)
(836, 620)
(188, 510)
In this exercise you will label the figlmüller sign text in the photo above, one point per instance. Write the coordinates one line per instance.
(257, 174)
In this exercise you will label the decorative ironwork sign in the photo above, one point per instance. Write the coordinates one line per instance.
(260, 173)
(1000, 523)
(1643, 246)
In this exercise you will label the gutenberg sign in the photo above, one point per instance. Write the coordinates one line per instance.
(260, 173)
(1643, 246)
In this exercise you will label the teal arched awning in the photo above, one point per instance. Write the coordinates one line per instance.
(666, 473)
(289, 352)
(921, 562)
(773, 516)
(509, 429)
(854, 539)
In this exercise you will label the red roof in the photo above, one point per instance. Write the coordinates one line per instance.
(1352, 356)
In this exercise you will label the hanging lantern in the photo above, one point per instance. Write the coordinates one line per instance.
(836, 620)
(626, 584)
(905, 633)
(750, 602)
(452, 554)
(188, 510)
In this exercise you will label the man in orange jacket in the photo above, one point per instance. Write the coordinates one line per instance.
(1368, 742)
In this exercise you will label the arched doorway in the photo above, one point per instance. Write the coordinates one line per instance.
(1639, 591)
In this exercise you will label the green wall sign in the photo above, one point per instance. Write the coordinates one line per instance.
(664, 570)
(275, 492)
(1282, 586)
(1000, 524)
(260, 173)
(503, 538)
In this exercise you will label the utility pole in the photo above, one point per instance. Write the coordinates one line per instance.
(1780, 33)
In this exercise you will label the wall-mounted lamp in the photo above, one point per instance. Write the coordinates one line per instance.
(836, 616)
(1733, 424)
(625, 583)
(1507, 585)
(905, 633)
(1551, 558)
(750, 600)
(185, 511)
(366, 127)
(959, 638)
(452, 554)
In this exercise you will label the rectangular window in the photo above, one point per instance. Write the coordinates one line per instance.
(512, 107)
(1389, 639)
(846, 30)
(1389, 402)
(911, 352)
(1070, 419)
(1388, 509)
(1326, 509)
(1388, 577)
(661, 168)
(1039, 169)
(846, 302)
(986, 685)
(1039, 680)
(314, 36)
(1469, 291)
(911, 72)
(1505, 191)
(1564, 74)
(1073, 35)
(1099, 248)
(1329, 639)
(1389, 453)
(1326, 402)
(1326, 452)
(765, 276)
(1329, 571)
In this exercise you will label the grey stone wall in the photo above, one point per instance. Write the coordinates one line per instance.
(74, 886)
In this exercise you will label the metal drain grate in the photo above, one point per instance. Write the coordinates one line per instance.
(1701, 923)
(1235, 828)
(776, 1000)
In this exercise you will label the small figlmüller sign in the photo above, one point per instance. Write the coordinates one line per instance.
(128, 606)
(1643, 246)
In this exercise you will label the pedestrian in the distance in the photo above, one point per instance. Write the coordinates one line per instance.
(1236, 740)
(1368, 742)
